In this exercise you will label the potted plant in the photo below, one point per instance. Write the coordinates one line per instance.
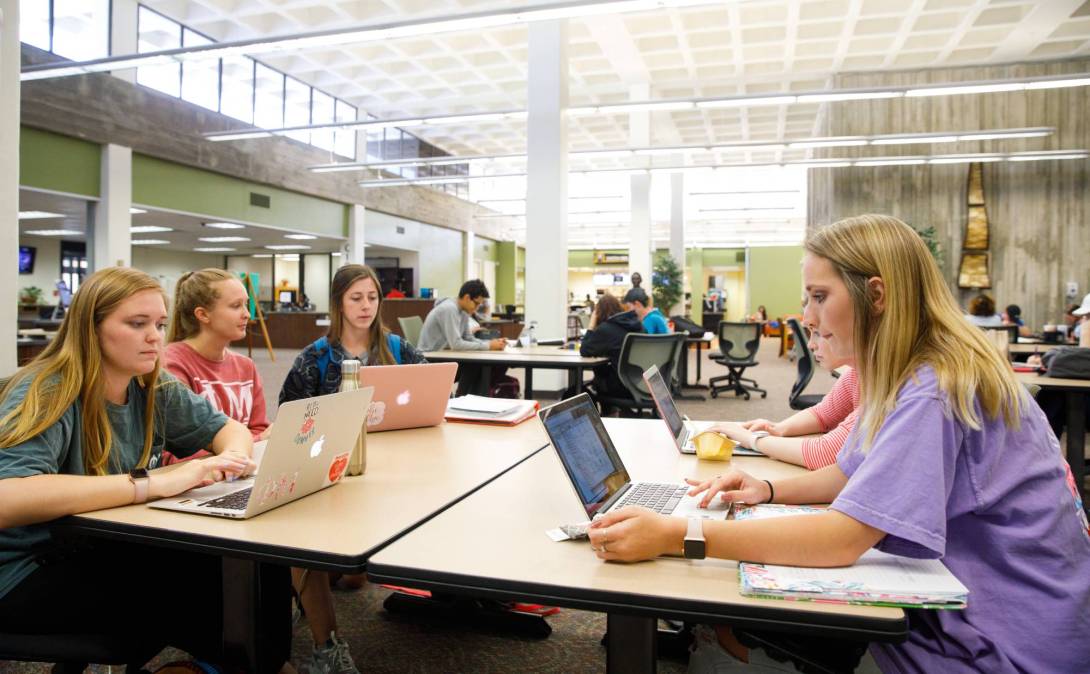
(30, 295)
(666, 284)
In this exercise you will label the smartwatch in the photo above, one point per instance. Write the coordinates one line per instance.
(140, 479)
(695, 547)
(757, 435)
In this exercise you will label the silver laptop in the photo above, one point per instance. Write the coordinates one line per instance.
(681, 427)
(597, 473)
(308, 450)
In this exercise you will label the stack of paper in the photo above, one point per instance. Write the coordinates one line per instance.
(505, 411)
(877, 578)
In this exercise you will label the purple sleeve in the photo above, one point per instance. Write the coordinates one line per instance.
(902, 484)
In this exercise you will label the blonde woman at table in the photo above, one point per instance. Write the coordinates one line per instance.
(834, 417)
(83, 427)
(951, 459)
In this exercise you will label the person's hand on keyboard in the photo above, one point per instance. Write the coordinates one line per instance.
(632, 533)
(196, 473)
(732, 486)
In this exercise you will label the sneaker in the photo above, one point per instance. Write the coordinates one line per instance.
(708, 657)
(332, 658)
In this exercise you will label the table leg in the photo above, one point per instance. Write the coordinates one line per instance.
(699, 347)
(575, 379)
(1076, 438)
(683, 375)
(528, 394)
(256, 615)
(633, 644)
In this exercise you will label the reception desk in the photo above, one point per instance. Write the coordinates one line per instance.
(393, 309)
(288, 329)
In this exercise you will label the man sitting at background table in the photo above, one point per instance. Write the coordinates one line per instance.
(447, 327)
(654, 323)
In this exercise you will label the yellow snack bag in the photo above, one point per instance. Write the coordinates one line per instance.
(712, 446)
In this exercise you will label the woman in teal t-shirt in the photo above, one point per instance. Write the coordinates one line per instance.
(80, 427)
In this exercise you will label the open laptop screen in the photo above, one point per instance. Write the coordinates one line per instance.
(665, 402)
(584, 447)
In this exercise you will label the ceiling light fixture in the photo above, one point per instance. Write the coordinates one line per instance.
(149, 229)
(136, 211)
(38, 215)
(223, 239)
(214, 250)
(293, 246)
(300, 237)
(149, 242)
(54, 232)
(224, 225)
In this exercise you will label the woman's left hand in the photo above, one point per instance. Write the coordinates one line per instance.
(633, 533)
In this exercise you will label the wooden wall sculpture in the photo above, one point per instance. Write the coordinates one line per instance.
(975, 268)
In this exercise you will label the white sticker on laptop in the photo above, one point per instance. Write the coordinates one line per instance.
(376, 413)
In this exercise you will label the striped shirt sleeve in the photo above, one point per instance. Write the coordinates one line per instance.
(837, 411)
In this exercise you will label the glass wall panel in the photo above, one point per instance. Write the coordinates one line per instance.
(322, 108)
(237, 99)
(81, 28)
(297, 107)
(200, 79)
(156, 32)
(34, 23)
(269, 106)
(344, 143)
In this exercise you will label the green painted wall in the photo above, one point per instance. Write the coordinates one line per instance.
(161, 183)
(775, 279)
(585, 258)
(441, 260)
(50, 161)
(506, 264)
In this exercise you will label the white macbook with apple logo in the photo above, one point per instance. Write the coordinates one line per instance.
(307, 451)
(407, 396)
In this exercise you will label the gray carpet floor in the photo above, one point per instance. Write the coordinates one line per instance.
(384, 643)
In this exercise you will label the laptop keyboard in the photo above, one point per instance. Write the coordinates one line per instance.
(233, 501)
(662, 498)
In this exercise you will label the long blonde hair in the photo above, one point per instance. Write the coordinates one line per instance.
(378, 351)
(70, 368)
(920, 324)
(194, 289)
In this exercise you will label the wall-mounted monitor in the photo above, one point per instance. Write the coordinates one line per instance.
(26, 259)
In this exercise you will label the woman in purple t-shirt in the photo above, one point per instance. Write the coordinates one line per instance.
(950, 459)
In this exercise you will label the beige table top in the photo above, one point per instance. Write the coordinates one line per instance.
(535, 355)
(495, 540)
(411, 475)
(1032, 348)
(1053, 382)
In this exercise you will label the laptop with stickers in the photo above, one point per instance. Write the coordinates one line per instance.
(307, 451)
(408, 396)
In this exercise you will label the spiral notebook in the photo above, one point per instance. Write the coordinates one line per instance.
(877, 578)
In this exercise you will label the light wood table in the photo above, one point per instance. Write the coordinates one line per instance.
(1032, 348)
(494, 544)
(528, 357)
(1075, 390)
(411, 475)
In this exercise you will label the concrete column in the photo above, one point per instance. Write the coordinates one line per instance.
(123, 37)
(469, 268)
(547, 185)
(109, 236)
(9, 180)
(352, 250)
(677, 231)
(639, 238)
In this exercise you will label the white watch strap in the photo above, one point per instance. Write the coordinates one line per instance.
(695, 530)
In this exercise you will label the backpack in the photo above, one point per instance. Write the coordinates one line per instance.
(1069, 362)
(325, 353)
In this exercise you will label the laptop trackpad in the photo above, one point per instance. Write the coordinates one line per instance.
(690, 507)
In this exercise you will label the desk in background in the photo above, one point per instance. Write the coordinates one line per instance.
(411, 475)
(493, 544)
(395, 308)
(529, 357)
(1075, 390)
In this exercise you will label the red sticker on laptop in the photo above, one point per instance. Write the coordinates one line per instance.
(337, 468)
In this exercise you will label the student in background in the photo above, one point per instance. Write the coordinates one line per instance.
(950, 459)
(982, 312)
(211, 310)
(654, 323)
(1013, 316)
(355, 332)
(79, 426)
(447, 327)
(605, 336)
(835, 417)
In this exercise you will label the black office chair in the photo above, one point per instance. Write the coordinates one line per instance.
(806, 364)
(639, 352)
(738, 344)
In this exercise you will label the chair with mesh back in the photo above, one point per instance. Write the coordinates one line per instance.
(411, 327)
(738, 344)
(806, 363)
(639, 352)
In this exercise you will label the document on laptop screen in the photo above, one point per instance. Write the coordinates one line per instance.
(576, 440)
